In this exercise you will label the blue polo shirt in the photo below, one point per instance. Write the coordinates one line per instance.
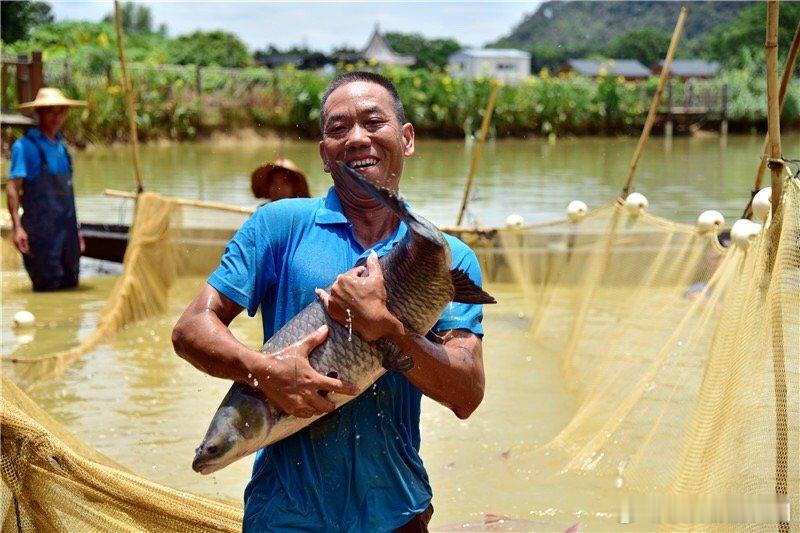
(357, 469)
(26, 162)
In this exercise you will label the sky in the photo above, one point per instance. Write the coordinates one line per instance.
(322, 25)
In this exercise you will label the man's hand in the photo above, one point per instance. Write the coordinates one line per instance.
(20, 239)
(360, 301)
(289, 382)
(81, 243)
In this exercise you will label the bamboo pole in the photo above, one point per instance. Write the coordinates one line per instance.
(476, 150)
(126, 86)
(221, 206)
(776, 168)
(788, 69)
(651, 114)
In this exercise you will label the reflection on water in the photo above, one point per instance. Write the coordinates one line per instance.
(530, 177)
(136, 401)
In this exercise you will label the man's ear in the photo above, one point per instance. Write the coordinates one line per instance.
(408, 139)
(325, 165)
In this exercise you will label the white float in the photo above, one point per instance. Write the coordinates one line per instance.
(743, 232)
(710, 221)
(576, 210)
(762, 203)
(636, 203)
(515, 221)
(23, 319)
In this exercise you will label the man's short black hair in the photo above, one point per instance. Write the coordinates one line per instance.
(360, 75)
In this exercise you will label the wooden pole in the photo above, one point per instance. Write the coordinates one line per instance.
(188, 202)
(791, 59)
(129, 100)
(476, 150)
(651, 114)
(778, 355)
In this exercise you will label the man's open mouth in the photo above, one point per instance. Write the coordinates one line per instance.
(364, 163)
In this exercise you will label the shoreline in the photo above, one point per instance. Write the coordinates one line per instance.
(249, 136)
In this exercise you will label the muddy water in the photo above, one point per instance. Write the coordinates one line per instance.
(134, 400)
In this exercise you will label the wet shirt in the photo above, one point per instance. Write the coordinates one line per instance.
(26, 162)
(358, 468)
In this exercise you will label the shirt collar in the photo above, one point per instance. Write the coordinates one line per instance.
(331, 212)
(37, 135)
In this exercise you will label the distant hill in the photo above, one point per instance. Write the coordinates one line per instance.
(582, 25)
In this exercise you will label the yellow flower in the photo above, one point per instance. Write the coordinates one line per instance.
(349, 68)
(602, 72)
(102, 39)
(416, 82)
(446, 80)
(113, 90)
(544, 73)
(620, 80)
(373, 61)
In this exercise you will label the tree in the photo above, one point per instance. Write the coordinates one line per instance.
(430, 53)
(210, 48)
(744, 36)
(647, 45)
(17, 19)
(135, 18)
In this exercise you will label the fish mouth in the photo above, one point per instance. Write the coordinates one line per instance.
(204, 466)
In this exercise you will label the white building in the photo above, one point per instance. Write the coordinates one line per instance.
(507, 64)
(378, 49)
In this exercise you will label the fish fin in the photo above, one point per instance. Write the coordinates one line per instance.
(394, 202)
(393, 360)
(466, 290)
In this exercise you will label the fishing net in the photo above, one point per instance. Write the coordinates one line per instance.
(682, 358)
(668, 344)
(160, 248)
(51, 481)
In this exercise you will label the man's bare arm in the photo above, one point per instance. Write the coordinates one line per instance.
(449, 370)
(14, 194)
(286, 378)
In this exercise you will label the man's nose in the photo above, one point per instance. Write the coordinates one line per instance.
(358, 137)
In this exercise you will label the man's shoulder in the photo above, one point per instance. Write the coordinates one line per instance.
(290, 210)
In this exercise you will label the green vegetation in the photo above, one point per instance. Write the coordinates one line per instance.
(206, 96)
(17, 18)
(430, 53)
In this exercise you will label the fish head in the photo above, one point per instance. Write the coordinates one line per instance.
(236, 430)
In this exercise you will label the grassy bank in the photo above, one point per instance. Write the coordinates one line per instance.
(179, 104)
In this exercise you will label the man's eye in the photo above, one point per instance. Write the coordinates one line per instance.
(333, 130)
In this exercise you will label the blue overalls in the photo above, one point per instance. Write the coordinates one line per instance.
(50, 220)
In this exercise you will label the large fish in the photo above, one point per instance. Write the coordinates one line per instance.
(419, 284)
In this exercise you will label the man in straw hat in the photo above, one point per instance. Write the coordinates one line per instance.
(359, 468)
(279, 180)
(40, 179)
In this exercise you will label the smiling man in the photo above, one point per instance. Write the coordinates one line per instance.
(359, 468)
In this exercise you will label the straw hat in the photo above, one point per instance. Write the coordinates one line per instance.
(262, 176)
(50, 97)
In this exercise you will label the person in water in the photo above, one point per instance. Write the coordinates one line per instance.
(279, 180)
(359, 468)
(40, 180)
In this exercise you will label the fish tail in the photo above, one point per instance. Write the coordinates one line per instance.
(395, 203)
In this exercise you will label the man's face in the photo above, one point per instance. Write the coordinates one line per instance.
(281, 185)
(52, 118)
(361, 128)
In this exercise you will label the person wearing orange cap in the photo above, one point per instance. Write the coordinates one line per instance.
(40, 180)
(279, 180)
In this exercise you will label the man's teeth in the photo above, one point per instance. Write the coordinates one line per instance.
(361, 163)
